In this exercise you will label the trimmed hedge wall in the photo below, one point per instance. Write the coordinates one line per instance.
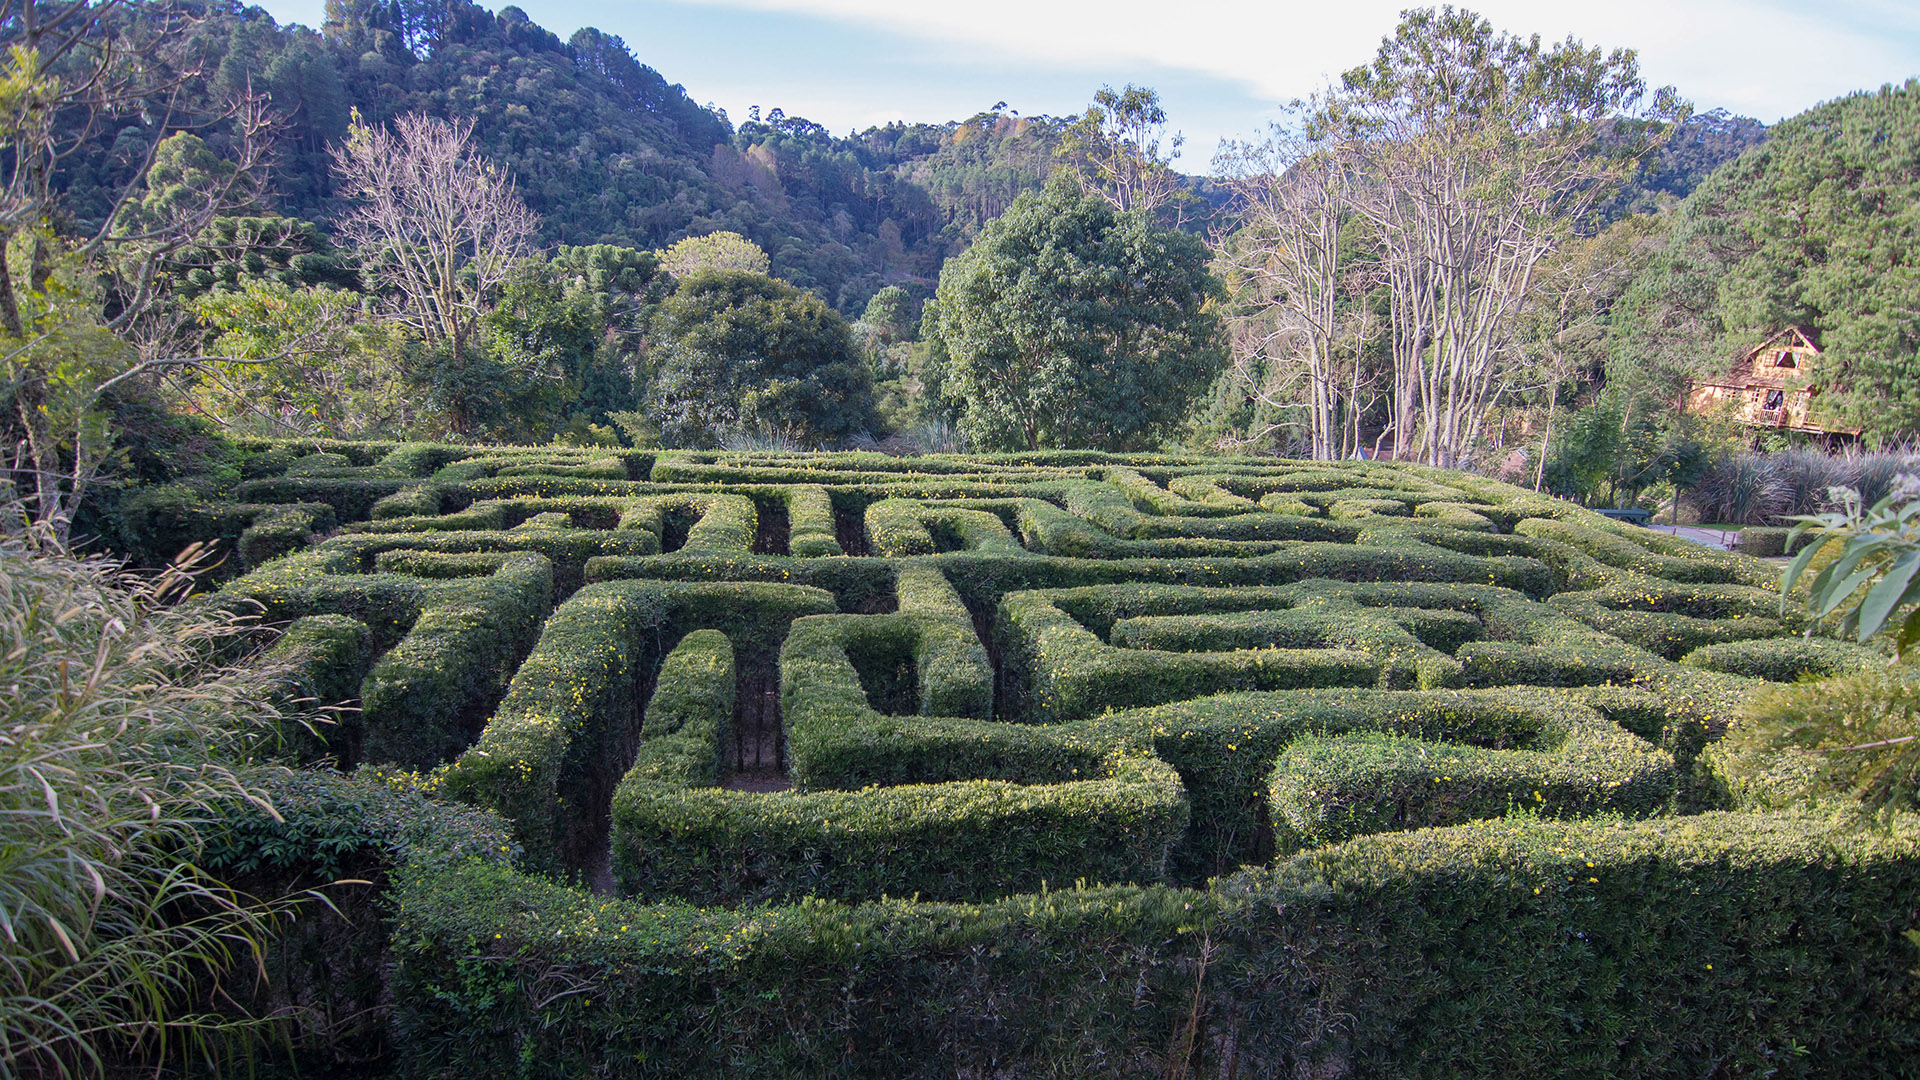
(961, 840)
(549, 758)
(941, 830)
(1784, 659)
(1724, 944)
(426, 699)
(1399, 763)
(810, 523)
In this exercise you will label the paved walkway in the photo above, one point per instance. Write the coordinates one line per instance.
(1713, 538)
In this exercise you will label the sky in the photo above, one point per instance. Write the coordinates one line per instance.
(1223, 68)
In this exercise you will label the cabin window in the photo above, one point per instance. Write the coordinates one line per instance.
(1775, 398)
(1785, 359)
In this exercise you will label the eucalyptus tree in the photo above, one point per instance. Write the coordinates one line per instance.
(1119, 150)
(1299, 318)
(1476, 155)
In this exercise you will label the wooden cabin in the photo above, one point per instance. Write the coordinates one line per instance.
(1768, 388)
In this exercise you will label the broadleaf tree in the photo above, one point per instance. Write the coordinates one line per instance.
(1478, 154)
(739, 353)
(1070, 324)
(86, 309)
(436, 225)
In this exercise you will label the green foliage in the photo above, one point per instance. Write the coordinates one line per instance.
(714, 251)
(1784, 659)
(1797, 232)
(571, 325)
(961, 840)
(1871, 582)
(422, 702)
(1069, 324)
(1502, 927)
(305, 361)
(550, 741)
(743, 352)
(1401, 721)
(1857, 733)
(1625, 445)
(123, 736)
(1700, 144)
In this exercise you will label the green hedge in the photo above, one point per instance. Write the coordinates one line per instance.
(317, 664)
(961, 840)
(810, 522)
(898, 527)
(969, 809)
(1767, 542)
(1226, 748)
(417, 500)
(1725, 944)
(1784, 659)
(425, 700)
(550, 756)
(1644, 551)
(1576, 764)
(1314, 633)
(1065, 672)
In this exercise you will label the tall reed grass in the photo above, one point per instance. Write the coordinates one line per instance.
(1764, 489)
(120, 735)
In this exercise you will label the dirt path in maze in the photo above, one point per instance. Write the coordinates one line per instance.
(756, 760)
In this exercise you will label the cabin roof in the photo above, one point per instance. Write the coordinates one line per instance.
(1791, 337)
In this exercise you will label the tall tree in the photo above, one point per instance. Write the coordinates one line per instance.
(1299, 299)
(741, 353)
(84, 300)
(1479, 154)
(1119, 149)
(1071, 324)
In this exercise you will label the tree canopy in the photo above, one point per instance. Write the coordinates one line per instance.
(1071, 324)
(741, 353)
(1816, 228)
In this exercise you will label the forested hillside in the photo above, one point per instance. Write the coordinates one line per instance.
(1815, 228)
(603, 147)
(607, 151)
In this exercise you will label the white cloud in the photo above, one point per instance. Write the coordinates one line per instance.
(1747, 55)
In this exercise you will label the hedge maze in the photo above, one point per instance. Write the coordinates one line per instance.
(1057, 764)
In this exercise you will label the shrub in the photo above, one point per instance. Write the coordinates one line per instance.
(425, 699)
(1740, 490)
(810, 527)
(1367, 704)
(1783, 659)
(1722, 938)
(545, 758)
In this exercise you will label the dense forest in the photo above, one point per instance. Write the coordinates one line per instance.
(602, 147)
(607, 151)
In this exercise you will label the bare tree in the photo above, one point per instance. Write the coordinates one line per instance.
(1476, 155)
(1293, 289)
(437, 224)
(84, 307)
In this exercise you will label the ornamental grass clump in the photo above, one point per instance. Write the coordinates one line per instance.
(118, 738)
